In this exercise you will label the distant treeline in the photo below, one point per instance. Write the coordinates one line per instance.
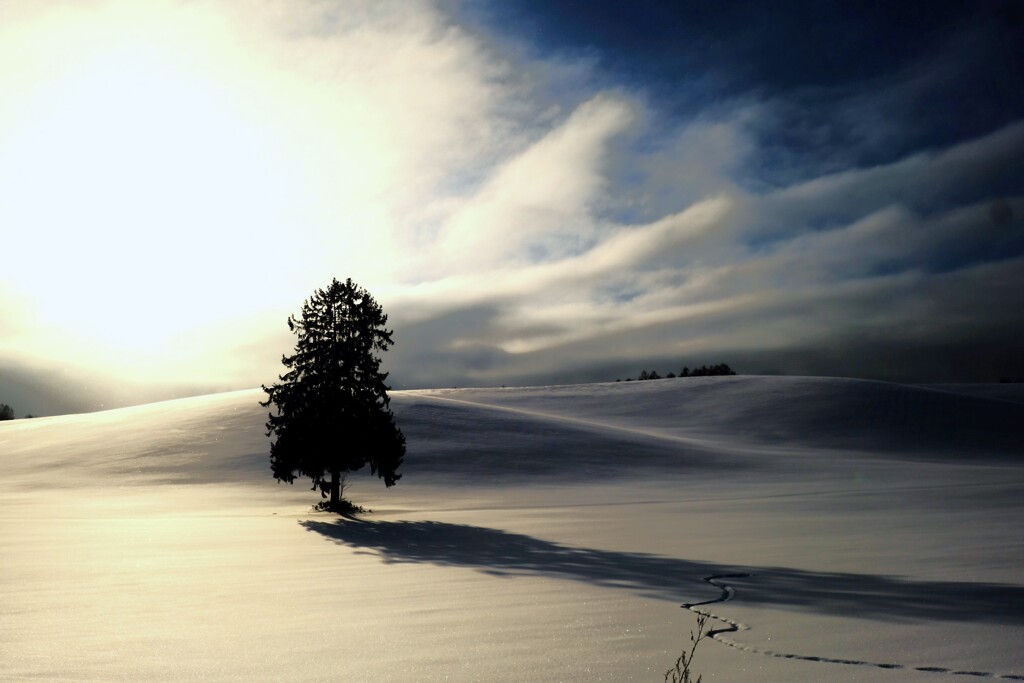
(702, 371)
(7, 412)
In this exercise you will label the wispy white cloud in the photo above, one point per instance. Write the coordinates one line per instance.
(538, 205)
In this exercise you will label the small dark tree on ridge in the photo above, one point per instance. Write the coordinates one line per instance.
(702, 371)
(705, 371)
(332, 404)
(6, 412)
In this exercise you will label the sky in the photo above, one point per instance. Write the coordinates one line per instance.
(536, 192)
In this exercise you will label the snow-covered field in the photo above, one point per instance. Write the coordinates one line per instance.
(542, 534)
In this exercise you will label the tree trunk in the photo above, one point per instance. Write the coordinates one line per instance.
(335, 487)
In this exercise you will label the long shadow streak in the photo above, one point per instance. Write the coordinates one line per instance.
(501, 553)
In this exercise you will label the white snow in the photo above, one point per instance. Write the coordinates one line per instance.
(539, 534)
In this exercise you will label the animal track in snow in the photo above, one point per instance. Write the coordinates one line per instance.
(732, 626)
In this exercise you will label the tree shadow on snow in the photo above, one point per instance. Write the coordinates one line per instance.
(502, 553)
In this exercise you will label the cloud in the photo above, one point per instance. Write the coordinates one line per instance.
(886, 254)
(537, 206)
(179, 177)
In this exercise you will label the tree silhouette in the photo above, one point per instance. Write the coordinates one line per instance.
(6, 412)
(332, 403)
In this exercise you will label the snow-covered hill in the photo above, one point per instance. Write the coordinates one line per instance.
(545, 533)
(584, 430)
(722, 415)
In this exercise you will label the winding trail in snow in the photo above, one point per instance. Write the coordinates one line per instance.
(732, 626)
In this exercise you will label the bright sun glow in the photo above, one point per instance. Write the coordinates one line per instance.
(144, 188)
(134, 168)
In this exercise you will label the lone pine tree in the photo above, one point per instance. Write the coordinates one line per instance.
(333, 413)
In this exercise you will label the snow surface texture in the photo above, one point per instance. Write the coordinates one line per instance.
(858, 531)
